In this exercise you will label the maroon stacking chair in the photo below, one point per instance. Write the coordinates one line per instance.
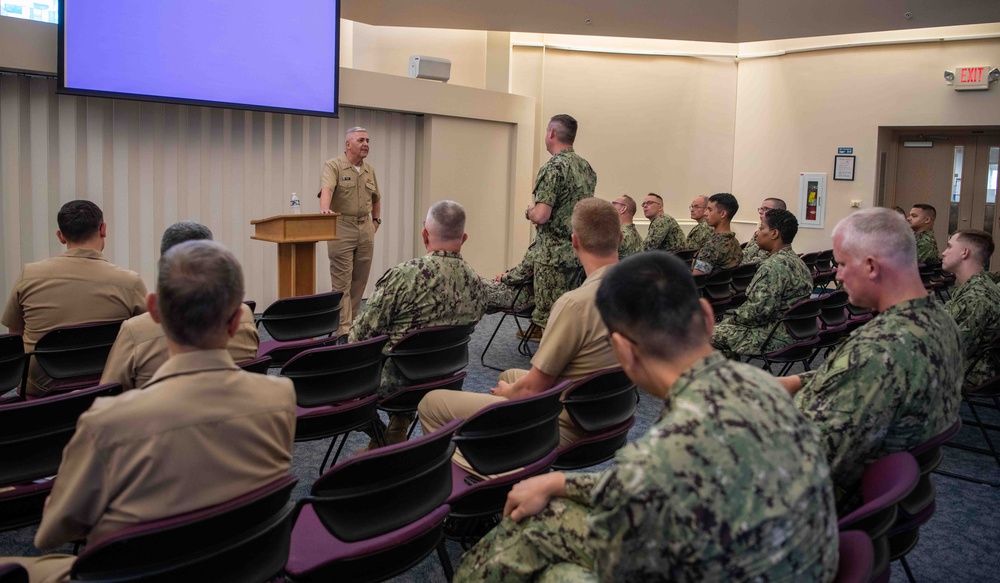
(718, 290)
(244, 540)
(258, 365)
(377, 514)
(602, 404)
(856, 558)
(885, 483)
(298, 324)
(74, 356)
(13, 573)
(825, 270)
(521, 435)
(833, 321)
(430, 358)
(917, 508)
(336, 391)
(33, 435)
(687, 255)
(801, 321)
(518, 314)
(11, 365)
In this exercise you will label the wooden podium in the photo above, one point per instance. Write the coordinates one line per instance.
(296, 236)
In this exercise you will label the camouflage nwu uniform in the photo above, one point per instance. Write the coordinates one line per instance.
(438, 289)
(664, 233)
(752, 252)
(730, 484)
(781, 280)
(631, 241)
(994, 276)
(722, 251)
(976, 309)
(563, 181)
(893, 384)
(927, 249)
(698, 236)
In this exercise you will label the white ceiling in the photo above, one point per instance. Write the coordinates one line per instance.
(702, 20)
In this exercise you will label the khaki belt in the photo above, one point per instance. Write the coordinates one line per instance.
(358, 220)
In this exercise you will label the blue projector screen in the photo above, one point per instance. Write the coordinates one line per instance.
(246, 54)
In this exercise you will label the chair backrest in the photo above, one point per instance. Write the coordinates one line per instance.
(257, 365)
(719, 284)
(303, 317)
(810, 260)
(335, 374)
(252, 304)
(824, 260)
(11, 361)
(384, 489)
(512, 434)
(802, 319)
(601, 400)
(686, 255)
(431, 353)
(833, 311)
(34, 433)
(743, 275)
(884, 484)
(74, 351)
(857, 557)
(244, 539)
(13, 573)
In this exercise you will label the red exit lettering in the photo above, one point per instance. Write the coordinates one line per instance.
(972, 75)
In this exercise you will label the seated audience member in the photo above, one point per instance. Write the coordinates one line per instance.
(896, 381)
(781, 281)
(664, 233)
(438, 289)
(921, 220)
(201, 432)
(141, 346)
(752, 252)
(677, 504)
(631, 240)
(975, 302)
(77, 287)
(575, 343)
(722, 250)
(700, 233)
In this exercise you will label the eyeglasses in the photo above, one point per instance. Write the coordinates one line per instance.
(649, 202)
(618, 203)
(764, 209)
(694, 206)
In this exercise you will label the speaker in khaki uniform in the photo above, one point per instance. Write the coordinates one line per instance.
(349, 187)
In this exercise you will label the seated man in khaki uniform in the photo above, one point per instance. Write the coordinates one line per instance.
(77, 287)
(575, 343)
(141, 346)
(201, 432)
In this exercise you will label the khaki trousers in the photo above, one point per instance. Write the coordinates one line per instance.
(53, 568)
(350, 264)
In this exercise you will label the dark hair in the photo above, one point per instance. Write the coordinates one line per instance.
(656, 196)
(784, 222)
(630, 205)
(726, 202)
(79, 220)
(781, 203)
(927, 209)
(182, 231)
(980, 241)
(565, 127)
(650, 298)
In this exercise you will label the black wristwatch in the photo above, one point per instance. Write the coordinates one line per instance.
(376, 220)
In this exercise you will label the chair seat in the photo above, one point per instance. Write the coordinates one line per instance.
(483, 497)
(280, 352)
(313, 546)
(329, 420)
(22, 504)
(594, 448)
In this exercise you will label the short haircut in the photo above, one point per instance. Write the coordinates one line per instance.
(630, 206)
(79, 220)
(777, 201)
(927, 209)
(650, 298)
(899, 210)
(182, 231)
(881, 233)
(446, 219)
(565, 127)
(595, 224)
(726, 202)
(354, 130)
(199, 288)
(784, 222)
(981, 243)
(656, 196)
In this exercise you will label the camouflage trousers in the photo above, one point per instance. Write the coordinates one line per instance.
(542, 286)
(734, 339)
(550, 546)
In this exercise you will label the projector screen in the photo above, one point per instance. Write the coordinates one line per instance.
(250, 54)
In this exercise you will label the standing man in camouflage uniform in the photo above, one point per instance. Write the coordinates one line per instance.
(438, 289)
(700, 233)
(676, 504)
(722, 251)
(975, 302)
(781, 281)
(351, 189)
(664, 233)
(922, 217)
(631, 240)
(895, 382)
(752, 252)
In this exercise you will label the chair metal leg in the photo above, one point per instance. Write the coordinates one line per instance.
(906, 568)
(989, 442)
(482, 357)
(442, 552)
(328, 450)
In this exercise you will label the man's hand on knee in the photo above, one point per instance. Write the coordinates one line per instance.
(531, 496)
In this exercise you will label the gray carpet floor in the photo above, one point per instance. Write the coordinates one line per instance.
(959, 544)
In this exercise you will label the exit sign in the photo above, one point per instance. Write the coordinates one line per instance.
(972, 78)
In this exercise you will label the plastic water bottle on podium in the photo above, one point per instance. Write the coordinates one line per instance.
(296, 205)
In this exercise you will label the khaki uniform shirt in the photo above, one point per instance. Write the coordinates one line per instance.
(141, 348)
(78, 287)
(201, 432)
(353, 192)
